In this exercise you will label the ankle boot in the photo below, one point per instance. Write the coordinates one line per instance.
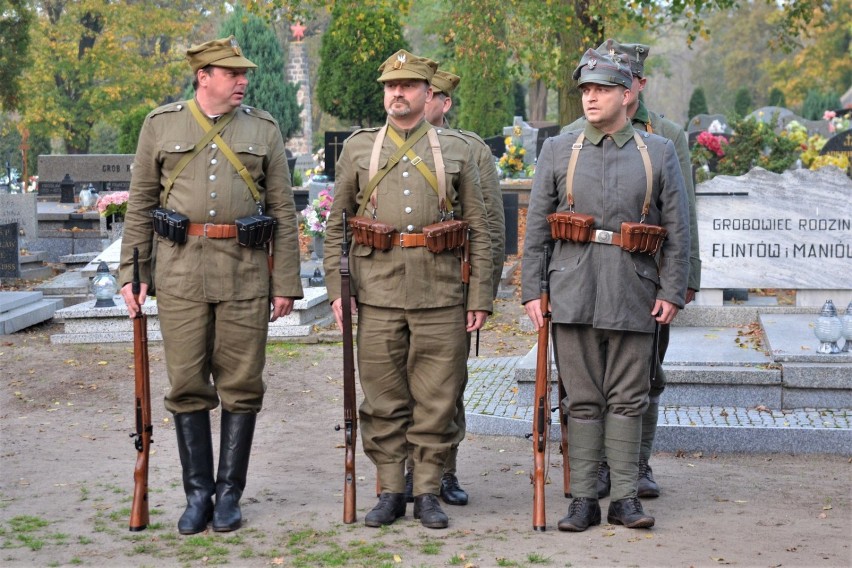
(195, 448)
(390, 507)
(582, 513)
(235, 447)
(428, 510)
(629, 512)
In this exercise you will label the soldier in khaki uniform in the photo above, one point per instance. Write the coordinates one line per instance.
(412, 319)
(443, 85)
(213, 295)
(644, 119)
(607, 290)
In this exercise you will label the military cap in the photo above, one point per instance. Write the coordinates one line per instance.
(444, 82)
(603, 70)
(635, 53)
(405, 65)
(223, 52)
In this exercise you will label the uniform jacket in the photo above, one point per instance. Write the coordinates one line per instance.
(209, 190)
(411, 278)
(598, 284)
(492, 195)
(668, 129)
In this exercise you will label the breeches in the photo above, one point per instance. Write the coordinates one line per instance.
(603, 370)
(214, 351)
(411, 365)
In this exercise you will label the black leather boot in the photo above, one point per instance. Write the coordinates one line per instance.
(583, 512)
(428, 510)
(628, 512)
(451, 491)
(604, 482)
(647, 487)
(409, 486)
(235, 447)
(390, 507)
(195, 448)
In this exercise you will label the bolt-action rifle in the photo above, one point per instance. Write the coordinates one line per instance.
(144, 427)
(350, 416)
(541, 403)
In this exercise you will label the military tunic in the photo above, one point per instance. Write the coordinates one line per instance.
(213, 294)
(600, 287)
(411, 320)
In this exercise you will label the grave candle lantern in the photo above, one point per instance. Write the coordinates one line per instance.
(828, 329)
(104, 287)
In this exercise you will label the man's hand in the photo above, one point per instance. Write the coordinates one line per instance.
(664, 312)
(127, 294)
(337, 309)
(475, 320)
(281, 306)
(533, 309)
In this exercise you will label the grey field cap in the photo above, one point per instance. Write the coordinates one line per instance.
(603, 70)
(635, 53)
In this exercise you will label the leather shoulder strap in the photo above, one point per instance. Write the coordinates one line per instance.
(572, 167)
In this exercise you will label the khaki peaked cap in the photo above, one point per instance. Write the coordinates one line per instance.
(603, 70)
(635, 53)
(223, 52)
(445, 82)
(405, 65)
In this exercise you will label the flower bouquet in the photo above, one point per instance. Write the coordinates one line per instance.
(114, 204)
(315, 215)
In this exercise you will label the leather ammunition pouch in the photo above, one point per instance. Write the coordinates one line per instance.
(446, 235)
(570, 226)
(255, 231)
(170, 225)
(371, 233)
(639, 237)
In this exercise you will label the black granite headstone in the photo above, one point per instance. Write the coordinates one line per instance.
(497, 145)
(10, 256)
(510, 209)
(333, 149)
(543, 134)
(840, 143)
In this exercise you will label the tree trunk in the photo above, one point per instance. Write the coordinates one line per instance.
(538, 101)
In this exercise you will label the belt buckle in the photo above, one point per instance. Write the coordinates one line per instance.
(402, 240)
(604, 237)
(206, 225)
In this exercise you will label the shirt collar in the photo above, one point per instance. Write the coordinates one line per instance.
(621, 137)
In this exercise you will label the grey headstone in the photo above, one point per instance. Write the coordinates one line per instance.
(774, 115)
(703, 121)
(21, 208)
(106, 172)
(767, 230)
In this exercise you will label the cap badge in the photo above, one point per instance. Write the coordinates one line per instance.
(592, 63)
(235, 46)
(400, 61)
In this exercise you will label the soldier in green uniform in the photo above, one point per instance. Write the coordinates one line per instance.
(649, 121)
(619, 192)
(443, 85)
(213, 295)
(412, 319)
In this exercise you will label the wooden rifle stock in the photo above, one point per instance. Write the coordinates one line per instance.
(541, 402)
(350, 416)
(142, 405)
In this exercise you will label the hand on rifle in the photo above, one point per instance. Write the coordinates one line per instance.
(535, 313)
(337, 309)
(127, 293)
(475, 320)
(664, 312)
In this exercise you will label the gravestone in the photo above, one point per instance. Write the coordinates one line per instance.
(839, 145)
(545, 131)
(106, 172)
(528, 135)
(701, 122)
(10, 257)
(812, 126)
(333, 148)
(776, 116)
(497, 145)
(21, 208)
(786, 231)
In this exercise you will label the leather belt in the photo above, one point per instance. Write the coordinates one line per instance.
(406, 240)
(211, 231)
(606, 237)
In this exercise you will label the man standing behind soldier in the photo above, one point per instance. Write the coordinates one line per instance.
(412, 317)
(443, 85)
(213, 291)
(644, 119)
(616, 195)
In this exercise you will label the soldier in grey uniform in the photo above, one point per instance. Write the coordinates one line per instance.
(412, 318)
(213, 295)
(649, 121)
(606, 301)
(443, 85)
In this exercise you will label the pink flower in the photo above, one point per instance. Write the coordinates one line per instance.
(828, 115)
